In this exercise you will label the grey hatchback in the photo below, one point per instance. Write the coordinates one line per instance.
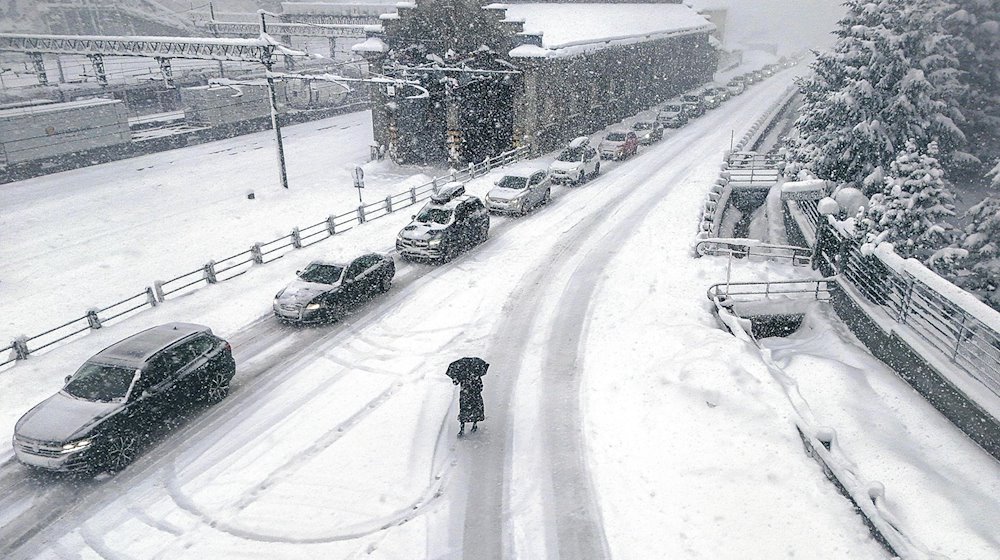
(121, 394)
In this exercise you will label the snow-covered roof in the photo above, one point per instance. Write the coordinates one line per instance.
(55, 107)
(371, 44)
(570, 29)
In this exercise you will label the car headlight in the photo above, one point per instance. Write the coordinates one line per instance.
(314, 306)
(434, 242)
(76, 445)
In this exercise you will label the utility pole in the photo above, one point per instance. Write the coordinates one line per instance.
(268, 61)
(215, 32)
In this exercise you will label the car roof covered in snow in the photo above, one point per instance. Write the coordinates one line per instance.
(524, 172)
(569, 29)
(136, 349)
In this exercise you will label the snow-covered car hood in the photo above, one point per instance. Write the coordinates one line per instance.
(422, 231)
(62, 418)
(565, 166)
(301, 292)
(502, 193)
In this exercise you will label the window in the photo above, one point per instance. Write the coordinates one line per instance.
(322, 273)
(100, 382)
(356, 268)
(537, 178)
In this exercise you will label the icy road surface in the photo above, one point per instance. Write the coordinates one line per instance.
(621, 421)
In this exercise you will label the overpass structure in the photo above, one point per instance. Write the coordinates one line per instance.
(260, 49)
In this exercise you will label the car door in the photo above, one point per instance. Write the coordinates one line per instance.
(463, 226)
(153, 394)
(189, 363)
(352, 286)
(367, 278)
(538, 186)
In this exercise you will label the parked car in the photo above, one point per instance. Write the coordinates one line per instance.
(519, 191)
(711, 98)
(648, 131)
(694, 104)
(326, 290)
(444, 227)
(619, 144)
(576, 163)
(115, 399)
(736, 86)
(672, 115)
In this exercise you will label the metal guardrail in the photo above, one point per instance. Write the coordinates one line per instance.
(818, 290)
(956, 335)
(749, 248)
(259, 253)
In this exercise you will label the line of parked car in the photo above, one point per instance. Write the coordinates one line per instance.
(101, 416)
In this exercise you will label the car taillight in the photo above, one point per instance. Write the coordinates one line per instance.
(227, 347)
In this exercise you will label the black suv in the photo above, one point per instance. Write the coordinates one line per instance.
(121, 394)
(443, 228)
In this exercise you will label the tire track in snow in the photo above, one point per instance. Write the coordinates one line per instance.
(574, 509)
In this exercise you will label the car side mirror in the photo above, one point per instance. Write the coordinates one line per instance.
(144, 394)
(413, 217)
(298, 273)
(66, 380)
(348, 280)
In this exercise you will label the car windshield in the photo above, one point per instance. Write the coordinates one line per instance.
(672, 108)
(322, 273)
(616, 137)
(434, 216)
(571, 154)
(511, 182)
(642, 126)
(691, 98)
(100, 382)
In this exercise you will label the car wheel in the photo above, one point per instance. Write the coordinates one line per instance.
(121, 450)
(217, 388)
(484, 233)
(581, 179)
(548, 197)
(597, 169)
(385, 284)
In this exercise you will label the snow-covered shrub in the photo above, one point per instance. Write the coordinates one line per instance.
(913, 205)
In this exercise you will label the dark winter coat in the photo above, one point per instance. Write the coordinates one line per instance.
(470, 400)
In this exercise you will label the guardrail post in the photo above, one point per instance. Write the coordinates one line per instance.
(257, 254)
(20, 345)
(93, 320)
(472, 170)
(209, 272)
(388, 204)
(454, 175)
(958, 339)
(361, 214)
(296, 238)
(904, 307)
(331, 225)
(151, 297)
(413, 195)
(158, 289)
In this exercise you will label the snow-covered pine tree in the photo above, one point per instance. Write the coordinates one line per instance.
(975, 24)
(890, 77)
(979, 271)
(914, 203)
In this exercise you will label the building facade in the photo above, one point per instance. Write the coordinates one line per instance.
(499, 76)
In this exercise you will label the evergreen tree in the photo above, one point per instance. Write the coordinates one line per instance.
(890, 77)
(975, 24)
(915, 200)
(979, 272)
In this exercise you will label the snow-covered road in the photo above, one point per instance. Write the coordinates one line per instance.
(621, 420)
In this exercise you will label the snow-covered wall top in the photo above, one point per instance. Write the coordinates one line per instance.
(569, 29)
(338, 8)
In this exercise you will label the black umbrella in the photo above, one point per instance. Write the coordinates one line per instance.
(465, 368)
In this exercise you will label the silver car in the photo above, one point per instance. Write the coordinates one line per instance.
(519, 191)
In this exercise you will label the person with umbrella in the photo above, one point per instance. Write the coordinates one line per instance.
(468, 374)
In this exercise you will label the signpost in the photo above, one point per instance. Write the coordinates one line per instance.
(359, 181)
